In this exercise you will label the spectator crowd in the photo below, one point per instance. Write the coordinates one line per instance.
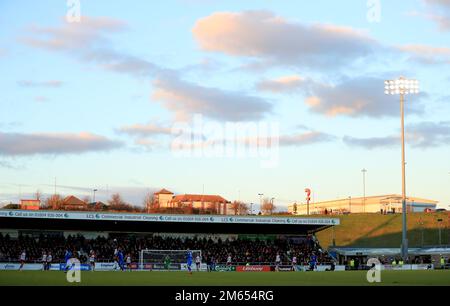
(241, 251)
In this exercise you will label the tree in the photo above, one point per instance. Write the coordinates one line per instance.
(235, 207)
(295, 208)
(118, 204)
(239, 208)
(149, 203)
(11, 206)
(268, 207)
(116, 200)
(54, 202)
(38, 195)
(244, 209)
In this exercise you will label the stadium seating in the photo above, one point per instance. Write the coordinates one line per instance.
(242, 251)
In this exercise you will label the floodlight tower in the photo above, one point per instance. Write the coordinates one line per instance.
(402, 87)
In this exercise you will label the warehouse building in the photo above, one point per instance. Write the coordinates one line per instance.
(374, 204)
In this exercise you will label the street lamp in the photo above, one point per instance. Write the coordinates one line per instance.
(94, 195)
(260, 200)
(364, 189)
(402, 87)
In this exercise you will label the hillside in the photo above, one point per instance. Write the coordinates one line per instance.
(376, 230)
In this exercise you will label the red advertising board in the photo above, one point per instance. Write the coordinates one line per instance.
(253, 268)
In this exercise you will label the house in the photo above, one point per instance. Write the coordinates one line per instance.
(212, 203)
(73, 203)
(97, 206)
(162, 198)
(165, 199)
(30, 204)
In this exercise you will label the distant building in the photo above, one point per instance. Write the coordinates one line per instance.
(212, 203)
(162, 198)
(98, 206)
(73, 203)
(374, 204)
(30, 204)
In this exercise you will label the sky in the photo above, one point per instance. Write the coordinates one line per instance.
(235, 98)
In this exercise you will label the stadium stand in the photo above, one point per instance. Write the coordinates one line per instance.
(243, 251)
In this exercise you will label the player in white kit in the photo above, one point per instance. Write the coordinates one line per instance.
(49, 260)
(116, 252)
(294, 262)
(277, 261)
(92, 260)
(128, 261)
(23, 257)
(44, 261)
(229, 260)
(198, 262)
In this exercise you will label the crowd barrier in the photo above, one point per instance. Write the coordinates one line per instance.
(39, 266)
(111, 266)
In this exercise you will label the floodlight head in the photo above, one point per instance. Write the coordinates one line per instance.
(401, 86)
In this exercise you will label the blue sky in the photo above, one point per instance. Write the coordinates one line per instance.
(92, 103)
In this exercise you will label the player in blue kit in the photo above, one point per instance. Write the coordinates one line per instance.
(189, 261)
(313, 262)
(67, 257)
(120, 259)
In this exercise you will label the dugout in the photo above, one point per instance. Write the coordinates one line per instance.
(161, 223)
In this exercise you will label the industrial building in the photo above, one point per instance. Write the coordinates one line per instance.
(373, 204)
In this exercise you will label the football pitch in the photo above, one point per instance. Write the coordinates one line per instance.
(356, 278)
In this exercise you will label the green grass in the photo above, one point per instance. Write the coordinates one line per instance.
(56, 278)
(376, 230)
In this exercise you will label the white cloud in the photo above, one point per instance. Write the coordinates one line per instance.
(372, 142)
(305, 138)
(20, 144)
(427, 54)
(148, 129)
(437, 11)
(185, 99)
(285, 84)
(89, 41)
(423, 135)
(48, 84)
(360, 96)
(270, 38)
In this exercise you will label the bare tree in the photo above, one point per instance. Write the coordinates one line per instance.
(235, 207)
(268, 207)
(244, 209)
(38, 195)
(149, 203)
(118, 204)
(239, 208)
(54, 202)
(116, 200)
